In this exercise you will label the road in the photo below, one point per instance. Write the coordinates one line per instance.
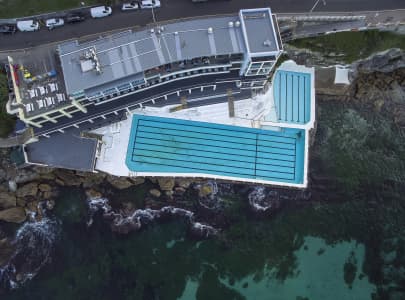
(175, 9)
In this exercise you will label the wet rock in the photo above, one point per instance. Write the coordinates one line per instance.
(119, 182)
(7, 200)
(30, 189)
(91, 193)
(205, 190)
(6, 251)
(137, 180)
(165, 183)
(65, 177)
(21, 202)
(199, 230)
(43, 187)
(155, 193)
(91, 179)
(50, 204)
(184, 182)
(262, 201)
(13, 215)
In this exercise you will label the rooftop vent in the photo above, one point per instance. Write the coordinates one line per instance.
(230, 24)
(237, 23)
(152, 30)
(267, 43)
(210, 30)
(176, 33)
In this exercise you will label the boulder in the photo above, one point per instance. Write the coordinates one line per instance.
(184, 182)
(165, 183)
(30, 189)
(7, 200)
(137, 180)
(155, 193)
(67, 178)
(43, 187)
(14, 215)
(91, 193)
(119, 182)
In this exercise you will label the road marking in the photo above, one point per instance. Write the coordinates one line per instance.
(316, 3)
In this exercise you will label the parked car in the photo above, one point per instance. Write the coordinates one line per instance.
(150, 3)
(75, 18)
(100, 11)
(8, 28)
(130, 6)
(53, 23)
(27, 25)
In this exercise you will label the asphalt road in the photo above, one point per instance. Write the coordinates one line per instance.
(174, 9)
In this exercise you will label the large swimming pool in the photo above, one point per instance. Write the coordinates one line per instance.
(166, 145)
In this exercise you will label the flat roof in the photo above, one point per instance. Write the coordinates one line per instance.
(292, 96)
(64, 150)
(176, 146)
(260, 32)
(129, 52)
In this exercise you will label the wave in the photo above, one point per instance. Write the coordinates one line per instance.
(34, 243)
(123, 223)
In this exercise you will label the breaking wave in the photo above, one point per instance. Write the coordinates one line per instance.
(34, 244)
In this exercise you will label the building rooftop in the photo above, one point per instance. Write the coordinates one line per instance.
(260, 34)
(64, 150)
(175, 146)
(128, 53)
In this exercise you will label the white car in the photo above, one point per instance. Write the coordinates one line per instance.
(52, 23)
(27, 25)
(150, 3)
(100, 11)
(130, 6)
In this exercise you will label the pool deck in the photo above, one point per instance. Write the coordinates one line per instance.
(255, 145)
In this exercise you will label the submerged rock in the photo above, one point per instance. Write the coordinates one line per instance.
(261, 201)
(14, 215)
(200, 230)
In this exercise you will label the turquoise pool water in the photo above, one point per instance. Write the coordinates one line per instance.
(167, 145)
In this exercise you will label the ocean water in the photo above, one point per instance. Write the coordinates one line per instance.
(303, 253)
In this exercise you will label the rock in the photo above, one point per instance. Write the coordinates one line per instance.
(43, 187)
(30, 189)
(205, 190)
(137, 180)
(47, 195)
(119, 182)
(91, 179)
(7, 200)
(155, 193)
(91, 193)
(6, 251)
(14, 215)
(50, 204)
(165, 183)
(21, 202)
(67, 178)
(184, 182)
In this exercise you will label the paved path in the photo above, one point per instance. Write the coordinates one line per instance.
(174, 9)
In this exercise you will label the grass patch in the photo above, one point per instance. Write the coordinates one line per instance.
(20, 8)
(352, 45)
(7, 122)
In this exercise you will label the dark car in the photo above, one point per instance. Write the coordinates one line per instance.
(75, 18)
(8, 28)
